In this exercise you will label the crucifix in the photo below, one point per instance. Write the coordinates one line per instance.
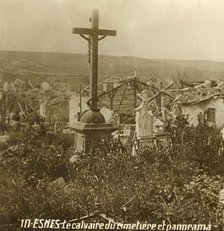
(93, 39)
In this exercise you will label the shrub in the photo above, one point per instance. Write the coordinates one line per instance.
(178, 182)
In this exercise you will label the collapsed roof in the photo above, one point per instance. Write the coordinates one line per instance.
(204, 91)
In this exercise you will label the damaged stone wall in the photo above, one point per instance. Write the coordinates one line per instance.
(193, 111)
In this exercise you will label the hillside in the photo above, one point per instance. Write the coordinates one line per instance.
(74, 67)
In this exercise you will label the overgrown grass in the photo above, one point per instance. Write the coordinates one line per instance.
(177, 182)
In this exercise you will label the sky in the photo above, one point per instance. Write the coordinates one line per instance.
(155, 29)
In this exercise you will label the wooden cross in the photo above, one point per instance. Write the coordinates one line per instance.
(93, 39)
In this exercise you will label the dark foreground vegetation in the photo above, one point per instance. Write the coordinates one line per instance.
(177, 182)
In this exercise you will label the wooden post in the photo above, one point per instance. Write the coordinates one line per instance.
(80, 99)
(94, 58)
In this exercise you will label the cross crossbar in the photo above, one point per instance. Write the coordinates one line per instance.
(90, 31)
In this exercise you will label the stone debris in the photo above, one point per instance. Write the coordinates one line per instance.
(4, 138)
(222, 133)
(221, 196)
(74, 159)
(201, 92)
(59, 181)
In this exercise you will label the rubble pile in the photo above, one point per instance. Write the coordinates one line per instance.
(201, 92)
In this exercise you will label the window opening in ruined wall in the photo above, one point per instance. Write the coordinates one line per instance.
(210, 115)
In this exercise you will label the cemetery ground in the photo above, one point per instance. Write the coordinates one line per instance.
(177, 182)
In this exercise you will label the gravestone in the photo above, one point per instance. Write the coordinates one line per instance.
(129, 130)
(144, 119)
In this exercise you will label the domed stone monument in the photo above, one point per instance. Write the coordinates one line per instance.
(90, 130)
